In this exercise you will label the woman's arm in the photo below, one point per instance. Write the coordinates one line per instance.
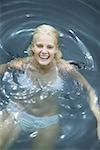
(90, 91)
(13, 64)
(92, 97)
(16, 63)
(3, 68)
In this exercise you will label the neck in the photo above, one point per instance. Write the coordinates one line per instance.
(44, 68)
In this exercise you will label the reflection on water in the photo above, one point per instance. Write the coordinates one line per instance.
(16, 86)
(79, 37)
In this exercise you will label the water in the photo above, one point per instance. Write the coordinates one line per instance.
(78, 24)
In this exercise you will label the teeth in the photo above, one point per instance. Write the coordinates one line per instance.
(44, 57)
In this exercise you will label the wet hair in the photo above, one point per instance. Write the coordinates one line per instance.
(50, 31)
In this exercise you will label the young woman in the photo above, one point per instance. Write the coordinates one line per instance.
(39, 111)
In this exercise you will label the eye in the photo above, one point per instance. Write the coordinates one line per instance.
(50, 46)
(39, 45)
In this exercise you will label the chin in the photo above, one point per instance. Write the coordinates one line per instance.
(44, 63)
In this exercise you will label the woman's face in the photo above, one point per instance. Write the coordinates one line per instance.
(44, 48)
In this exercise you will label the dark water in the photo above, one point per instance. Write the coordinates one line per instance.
(78, 24)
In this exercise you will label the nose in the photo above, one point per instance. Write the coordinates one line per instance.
(44, 50)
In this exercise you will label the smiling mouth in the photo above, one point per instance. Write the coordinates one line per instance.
(44, 57)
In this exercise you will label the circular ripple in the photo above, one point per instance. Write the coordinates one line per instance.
(78, 24)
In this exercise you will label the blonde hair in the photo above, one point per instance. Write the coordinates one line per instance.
(49, 30)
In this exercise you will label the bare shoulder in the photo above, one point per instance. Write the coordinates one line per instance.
(26, 59)
(18, 63)
(64, 65)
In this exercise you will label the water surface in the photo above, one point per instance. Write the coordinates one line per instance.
(78, 24)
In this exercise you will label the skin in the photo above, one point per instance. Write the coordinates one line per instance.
(43, 70)
(44, 50)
